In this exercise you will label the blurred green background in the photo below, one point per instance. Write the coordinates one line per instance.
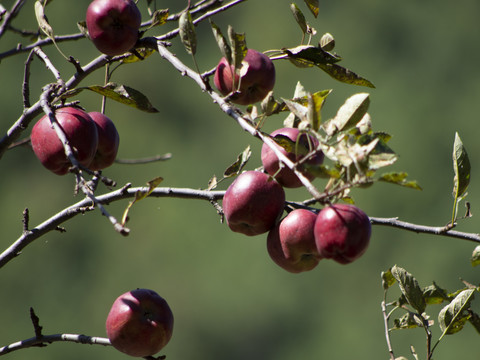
(229, 299)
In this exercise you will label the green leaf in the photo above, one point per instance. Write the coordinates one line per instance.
(299, 17)
(224, 47)
(409, 288)
(125, 95)
(349, 114)
(434, 294)
(322, 171)
(461, 167)
(143, 52)
(407, 321)
(399, 178)
(239, 48)
(461, 180)
(345, 75)
(453, 317)
(313, 6)
(159, 17)
(475, 320)
(475, 259)
(387, 279)
(239, 164)
(310, 55)
(187, 32)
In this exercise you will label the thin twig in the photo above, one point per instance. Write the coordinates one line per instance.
(145, 160)
(10, 16)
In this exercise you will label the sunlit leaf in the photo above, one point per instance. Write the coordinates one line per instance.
(475, 259)
(299, 17)
(344, 75)
(239, 48)
(224, 47)
(311, 55)
(187, 32)
(159, 17)
(121, 93)
(239, 164)
(212, 183)
(409, 288)
(133, 58)
(313, 6)
(387, 279)
(453, 317)
(140, 195)
(42, 19)
(461, 167)
(399, 178)
(349, 114)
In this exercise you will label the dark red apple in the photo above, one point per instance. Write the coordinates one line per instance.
(108, 141)
(255, 84)
(291, 243)
(253, 203)
(81, 132)
(140, 323)
(304, 143)
(113, 25)
(342, 232)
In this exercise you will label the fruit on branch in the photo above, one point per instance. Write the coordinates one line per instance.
(81, 133)
(253, 84)
(108, 141)
(113, 25)
(291, 243)
(302, 144)
(140, 323)
(253, 203)
(342, 232)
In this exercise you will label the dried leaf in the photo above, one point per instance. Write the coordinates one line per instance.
(187, 32)
(313, 6)
(140, 195)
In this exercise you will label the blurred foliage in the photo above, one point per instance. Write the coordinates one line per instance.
(229, 299)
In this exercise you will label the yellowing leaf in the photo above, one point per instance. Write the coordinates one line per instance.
(140, 195)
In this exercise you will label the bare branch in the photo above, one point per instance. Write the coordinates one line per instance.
(85, 205)
(10, 15)
(44, 340)
(146, 160)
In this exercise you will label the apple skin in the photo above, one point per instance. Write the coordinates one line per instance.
(342, 232)
(253, 203)
(140, 323)
(291, 243)
(255, 84)
(108, 141)
(80, 131)
(113, 25)
(287, 177)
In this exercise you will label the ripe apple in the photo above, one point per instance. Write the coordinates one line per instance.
(342, 232)
(255, 84)
(80, 131)
(303, 144)
(113, 25)
(291, 243)
(140, 323)
(108, 141)
(253, 203)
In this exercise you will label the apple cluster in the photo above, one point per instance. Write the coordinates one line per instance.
(140, 323)
(93, 137)
(255, 201)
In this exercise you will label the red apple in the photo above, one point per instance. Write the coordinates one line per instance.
(108, 141)
(140, 323)
(304, 143)
(291, 243)
(113, 25)
(342, 232)
(80, 131)
(255, 84)
(253, 203)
